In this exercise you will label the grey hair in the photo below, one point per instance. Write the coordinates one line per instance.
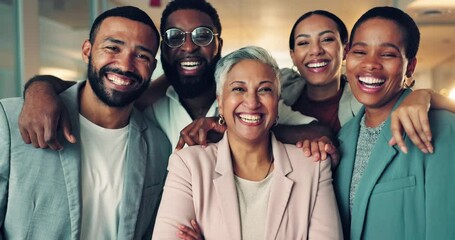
(226, 63)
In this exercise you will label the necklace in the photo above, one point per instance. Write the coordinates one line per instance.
(270, 167)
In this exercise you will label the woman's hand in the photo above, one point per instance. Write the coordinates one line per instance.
(412, 117)
(190, 233)
(200, 132)
(320, 149)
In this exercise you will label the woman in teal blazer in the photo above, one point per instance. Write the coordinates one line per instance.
(384, 193)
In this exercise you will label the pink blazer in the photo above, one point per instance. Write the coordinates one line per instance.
(200, 185)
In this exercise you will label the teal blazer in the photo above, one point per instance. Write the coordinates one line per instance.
(401, 196)
(40, 189)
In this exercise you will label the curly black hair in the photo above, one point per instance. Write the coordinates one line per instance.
(200, 5)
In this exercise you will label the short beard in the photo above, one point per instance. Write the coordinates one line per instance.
(194, 86)
(113, 98)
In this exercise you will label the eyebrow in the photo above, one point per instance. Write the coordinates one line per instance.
(363, 44)
(244, 82)
(214, 30)
(120, 42)
(319, 34)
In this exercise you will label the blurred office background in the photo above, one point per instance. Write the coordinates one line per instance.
(45, 36)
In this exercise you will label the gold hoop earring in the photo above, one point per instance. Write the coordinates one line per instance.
(410, 85)
(221, 120)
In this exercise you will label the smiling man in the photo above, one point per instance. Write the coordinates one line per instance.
(108, 185)
(191, 47)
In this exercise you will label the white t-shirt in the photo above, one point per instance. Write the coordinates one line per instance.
(172, 117)
(253, 200)
(103, 152)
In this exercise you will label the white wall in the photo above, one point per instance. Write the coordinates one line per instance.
(60, 52)
(7, 52)
(444, 75)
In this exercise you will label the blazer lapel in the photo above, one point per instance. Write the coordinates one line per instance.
(280, 190)
(226, 190)
(70, 158)
(134, 175)
(381, 156)
(343, 174)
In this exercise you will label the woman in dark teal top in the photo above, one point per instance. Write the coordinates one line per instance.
(382, 192)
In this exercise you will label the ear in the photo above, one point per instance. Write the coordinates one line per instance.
(220, 104)
(345, 51)
(86, 50)
(291, 52)
(220, 46)
(162, 45)
(411, 67)
(153, 65)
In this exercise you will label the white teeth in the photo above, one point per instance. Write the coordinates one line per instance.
(190, 65)
(371, 82)
(250, 118)
(317, 64)
(118, 81)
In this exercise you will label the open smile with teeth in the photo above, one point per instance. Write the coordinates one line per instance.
(317, 64)
(371, 82)
(117, 80)
(249, 118)
(190, 65)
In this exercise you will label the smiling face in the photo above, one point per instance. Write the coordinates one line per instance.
(376, 64)
(190, 68)
(121, 60)
(249, 101)
(318, 51)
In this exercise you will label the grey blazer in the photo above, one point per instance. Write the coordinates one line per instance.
(40, 189)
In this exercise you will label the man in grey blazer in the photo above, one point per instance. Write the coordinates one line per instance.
(108, 185)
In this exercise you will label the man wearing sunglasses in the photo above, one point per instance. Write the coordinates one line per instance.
(191, 47)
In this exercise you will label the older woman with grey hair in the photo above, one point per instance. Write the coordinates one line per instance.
(248, 185)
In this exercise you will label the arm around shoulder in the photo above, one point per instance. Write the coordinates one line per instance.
(43, 111)
(156, 90)
(46, 84)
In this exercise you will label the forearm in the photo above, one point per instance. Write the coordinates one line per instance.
(46, 84)
(293, 134)
(155, 91)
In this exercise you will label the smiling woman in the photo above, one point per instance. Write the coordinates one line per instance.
(381, 191)
(232, 188)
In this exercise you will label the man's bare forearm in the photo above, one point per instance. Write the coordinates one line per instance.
(156, 90)
(293, 134)
(46, 83)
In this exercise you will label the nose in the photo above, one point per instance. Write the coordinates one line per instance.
(126, 61)
(188, 45)
(316, 49)
(370, 62)
(251, 101)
